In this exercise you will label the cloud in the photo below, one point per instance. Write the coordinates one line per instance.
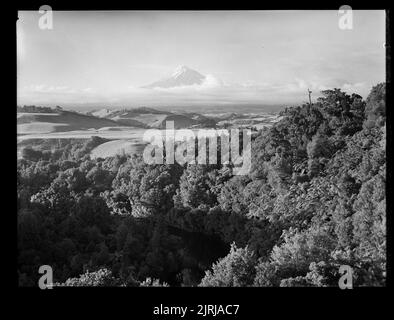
(47, 89)
(211, 81)
(212, 91)
(42, 88)
(88, 90)
(49, 94)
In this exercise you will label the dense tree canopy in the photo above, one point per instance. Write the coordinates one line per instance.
(314, 200)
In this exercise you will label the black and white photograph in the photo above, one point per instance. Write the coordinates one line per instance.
(201, 148)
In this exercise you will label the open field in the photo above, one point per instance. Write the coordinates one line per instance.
(36, 123)
(116, 126)
(111, 148)
(41, 127)
(108, 133)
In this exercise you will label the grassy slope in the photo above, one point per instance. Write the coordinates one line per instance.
(63, 121)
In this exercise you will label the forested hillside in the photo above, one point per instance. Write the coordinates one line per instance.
(315, 199)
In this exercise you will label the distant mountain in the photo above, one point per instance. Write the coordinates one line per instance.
(182, 76)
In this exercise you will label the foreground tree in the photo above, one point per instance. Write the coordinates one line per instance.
(237, 269)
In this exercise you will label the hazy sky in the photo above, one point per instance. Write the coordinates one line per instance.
(250, 56)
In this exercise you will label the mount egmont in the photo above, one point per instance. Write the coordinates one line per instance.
(182, 76)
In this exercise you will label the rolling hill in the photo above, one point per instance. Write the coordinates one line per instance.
(29, 123)
(151, 118)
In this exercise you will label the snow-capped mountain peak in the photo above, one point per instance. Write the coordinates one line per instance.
(181, 76)
(179, 71)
